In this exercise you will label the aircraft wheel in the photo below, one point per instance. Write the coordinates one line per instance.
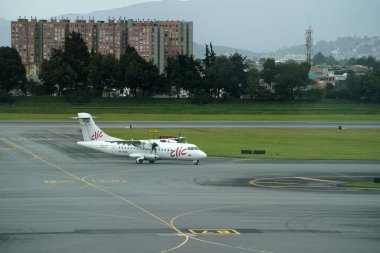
(139, 161)
(151, 161)
(196, 162)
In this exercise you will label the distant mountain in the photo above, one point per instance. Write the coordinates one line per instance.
(342, 48)
(5, 31)
(199, 51)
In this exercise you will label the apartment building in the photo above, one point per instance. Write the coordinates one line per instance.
(88, 31)
(26, 39)
(53, 36)
(112, 37)
(155, 41)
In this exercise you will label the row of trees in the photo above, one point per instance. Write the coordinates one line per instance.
(76, 73)
(73, 69)
(359, 86)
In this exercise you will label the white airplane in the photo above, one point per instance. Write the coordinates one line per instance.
(149, 150)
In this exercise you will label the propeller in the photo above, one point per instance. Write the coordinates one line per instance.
(154, 147)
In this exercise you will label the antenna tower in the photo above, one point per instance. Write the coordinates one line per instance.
(309, 44)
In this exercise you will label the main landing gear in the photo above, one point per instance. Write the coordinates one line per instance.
(140, 161)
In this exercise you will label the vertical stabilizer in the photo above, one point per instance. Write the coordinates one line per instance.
(90, 131)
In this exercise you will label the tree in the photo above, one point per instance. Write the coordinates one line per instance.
(363, 87)
(183, 72)
(138, 74)
(269, 71)
(34, 88)
(151, 81)
(291, 80)
(254, 89)
(220, 76)
(210, 57)
(96, 74)
(76, 55)
(239, 68)
(369, 61)
(104, 73)
(111, 72)
(56, 74)
(12, 72)
(319, 59)
(67, 68)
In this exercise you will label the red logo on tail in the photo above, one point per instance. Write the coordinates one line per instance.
(96, 135)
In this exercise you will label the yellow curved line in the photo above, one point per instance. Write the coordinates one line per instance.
(230, 246)
(318, 180)
(172, 222)
(256, 182)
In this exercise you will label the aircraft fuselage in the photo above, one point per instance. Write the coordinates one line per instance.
(180, 151)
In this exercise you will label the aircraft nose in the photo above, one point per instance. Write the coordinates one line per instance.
(203, 155)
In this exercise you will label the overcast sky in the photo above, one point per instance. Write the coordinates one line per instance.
(12, 9)
(256, 25)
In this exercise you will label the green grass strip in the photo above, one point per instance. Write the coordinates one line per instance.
(360, 185)
(319, 144)
(132, 116)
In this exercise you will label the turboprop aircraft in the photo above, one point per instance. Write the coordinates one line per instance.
(141, 150)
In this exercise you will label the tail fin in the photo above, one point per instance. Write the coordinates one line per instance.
(90, 131)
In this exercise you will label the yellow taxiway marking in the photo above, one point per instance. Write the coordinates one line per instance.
(7, 149)
(318, 180)
(257, 182)
(108, 181)
(9, 143)
(266, 182)
(94, 181)
(59, 181)
(172, 222)
(213, 231)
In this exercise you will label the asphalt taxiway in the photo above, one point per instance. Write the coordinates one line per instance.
(56, 196)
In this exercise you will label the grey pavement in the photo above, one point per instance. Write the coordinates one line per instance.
(56, 196)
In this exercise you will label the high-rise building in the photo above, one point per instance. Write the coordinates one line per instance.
(88, 31)
(178, 37)
(26, 39)
(147, 39)
(54, 33)
(155, 41)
